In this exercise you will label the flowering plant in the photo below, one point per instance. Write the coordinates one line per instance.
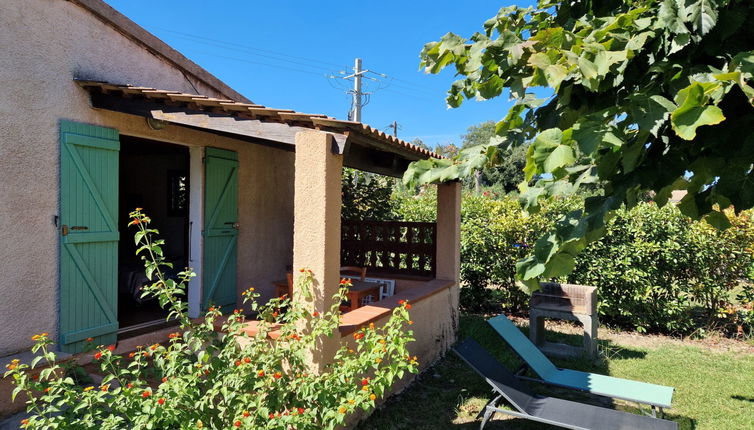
(212, 374)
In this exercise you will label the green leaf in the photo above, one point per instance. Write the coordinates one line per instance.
(670, 15)
(692, 112)
(717, 220)
(650, 112)
(703, 15)
(560, 264)
(561, 156)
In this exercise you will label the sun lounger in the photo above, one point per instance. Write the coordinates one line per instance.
(657, 396)
(548, 410)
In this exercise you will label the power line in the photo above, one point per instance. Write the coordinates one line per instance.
(274, 66)
(251, 48)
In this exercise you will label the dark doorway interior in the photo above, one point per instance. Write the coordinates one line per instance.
(153, 176)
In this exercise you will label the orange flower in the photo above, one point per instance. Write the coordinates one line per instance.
(98, 355)
(153, 347)
(139, 209)
(278, 375)
(260, 373)
(342, 409)
(105, 387)
(90, 339)
(238, 363)
(400, 302)
(365, 381)
(358, 335)
(161, 401)
(237, 423)
(372, 397)
(111, 348)
(410, 322)
(146, 393)
(246, 414)
(174, 335)
(24, 422)
(371, 326)
(247, 360)
(315, 314)
(89, 388)
(164, 379)
(131, 355)
(129, 385)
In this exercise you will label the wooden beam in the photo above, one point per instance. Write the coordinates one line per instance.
(221, 123)
(218, 123)
(375, 161)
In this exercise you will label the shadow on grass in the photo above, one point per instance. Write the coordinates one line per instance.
(450, 394)
(742, 398)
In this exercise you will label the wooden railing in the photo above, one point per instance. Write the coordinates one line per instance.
(390, 246)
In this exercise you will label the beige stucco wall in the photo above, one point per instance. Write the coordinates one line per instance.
(44, 44)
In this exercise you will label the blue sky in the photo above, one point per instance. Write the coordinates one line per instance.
(279, 53)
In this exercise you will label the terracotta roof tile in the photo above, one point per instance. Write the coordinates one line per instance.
(261, 112)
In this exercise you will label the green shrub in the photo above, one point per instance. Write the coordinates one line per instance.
(495, 233)
(205, 377)
(366, 196)
(656, 269)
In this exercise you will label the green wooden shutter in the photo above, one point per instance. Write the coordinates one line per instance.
(88, 235)
(220, 227)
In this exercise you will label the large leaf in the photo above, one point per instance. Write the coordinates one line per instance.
(703, 15)
(693, 112)
(650, 112)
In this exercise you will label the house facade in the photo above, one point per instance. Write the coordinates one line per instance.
(99, 117)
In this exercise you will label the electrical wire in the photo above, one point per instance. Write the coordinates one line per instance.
(238, 46)
(274, 66)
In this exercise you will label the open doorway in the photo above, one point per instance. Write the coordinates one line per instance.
(153, 176)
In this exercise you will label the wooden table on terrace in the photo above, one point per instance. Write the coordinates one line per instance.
(359, 291)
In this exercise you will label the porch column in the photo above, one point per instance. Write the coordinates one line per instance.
(316, 225)
(449, 256)
(449, 231)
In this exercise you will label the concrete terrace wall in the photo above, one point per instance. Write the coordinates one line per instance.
(44, 45)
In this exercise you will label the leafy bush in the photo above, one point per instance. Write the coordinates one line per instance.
(211, 374)
(495, 233)
(656, 270)
(366, 196)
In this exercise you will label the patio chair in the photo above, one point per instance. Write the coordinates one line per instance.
(543, 409)
(657, 396)
(360, 272)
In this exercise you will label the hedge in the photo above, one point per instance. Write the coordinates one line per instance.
(656, 270)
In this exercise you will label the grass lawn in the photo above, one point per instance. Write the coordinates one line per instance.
(714, 387)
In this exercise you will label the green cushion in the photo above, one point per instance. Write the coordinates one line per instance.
(609, 386)
(640, 392)
(529, 352)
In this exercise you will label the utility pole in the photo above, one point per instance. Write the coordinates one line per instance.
(357, 90)
(395, 128)
(356, 93)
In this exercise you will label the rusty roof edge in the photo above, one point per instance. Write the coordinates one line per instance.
(152, 43)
